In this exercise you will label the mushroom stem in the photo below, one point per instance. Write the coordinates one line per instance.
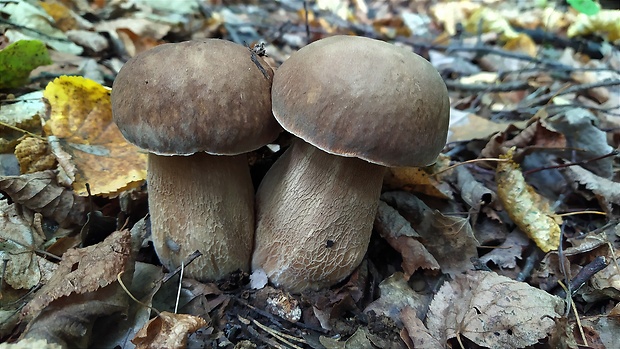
(202, 202)
(315, 213)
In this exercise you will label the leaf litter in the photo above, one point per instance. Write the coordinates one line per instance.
(540, 79)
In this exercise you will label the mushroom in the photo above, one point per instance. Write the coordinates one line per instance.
(358, 105)
(197, 107)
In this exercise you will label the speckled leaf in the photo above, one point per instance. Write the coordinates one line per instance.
(528, 210)
(18, 59)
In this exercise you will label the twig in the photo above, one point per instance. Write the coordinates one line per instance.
(176, 304)
(280, 336)
(501, 87)
(15, 128)
(571, 89)
(33, 30)
(612, 153)
(188, 260)
(120, 282)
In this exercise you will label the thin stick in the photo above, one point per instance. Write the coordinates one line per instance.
(469, 162)
(277, 335)
(612, 153)
(176, 305)
(120, 282)
(15, 128)
(579, 212)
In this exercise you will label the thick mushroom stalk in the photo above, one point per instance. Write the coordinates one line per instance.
(202, 202)
(323, 237)
(197, 107)
(358, 105)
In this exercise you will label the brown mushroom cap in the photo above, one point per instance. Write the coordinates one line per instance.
(203, 95)
(364, 98)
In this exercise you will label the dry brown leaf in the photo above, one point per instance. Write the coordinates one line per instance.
(84, 270)
(449, 239)
(606, 192)
(168, 330)
(40, 192)
(492, 311)
(472, 192)
(34, 155)
(19, 239)
(397, 231)
(420, 179)
(87, 144)
(528, 210)
(395, 295)
(63, 19)
(416, 332)
(506, 254)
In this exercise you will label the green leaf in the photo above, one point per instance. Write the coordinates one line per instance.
(18, 59)
(587, 7)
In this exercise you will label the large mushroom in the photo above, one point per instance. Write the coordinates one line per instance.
(197, 107)
(358, 105)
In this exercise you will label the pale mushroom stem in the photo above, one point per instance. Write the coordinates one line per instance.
(315, 213)
(202, 202)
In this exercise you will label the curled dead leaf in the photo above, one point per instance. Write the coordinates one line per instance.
(526, 208)
(168, 330)
(41, 193)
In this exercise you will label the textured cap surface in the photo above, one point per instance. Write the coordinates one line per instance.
(204, 95)
(359, 97)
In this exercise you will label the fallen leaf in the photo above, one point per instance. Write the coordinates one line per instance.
(508, 252)
(528, 210)
(397, 231)
(40, 192)
(606, 23)
(19, 241)
(492, 311)
(420, 179)
(396, 295)
(84, 270)
(167, 330)
(34, 155)
(449, 239)
(419, 336)
(87, 144)
(18, 59)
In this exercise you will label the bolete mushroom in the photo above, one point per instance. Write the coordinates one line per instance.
(358, 105)
(197, 107)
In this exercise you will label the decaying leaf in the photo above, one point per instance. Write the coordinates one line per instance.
(397, 231)
(40, 192)
(415, 333)
(84, 270)
(607, 192)
(420, 180)
(19, 240)
(492, 311)
(168, 330)
(395, 295)
(605, 23)
(506, 254)
(88, 145)
(34, 155)
(449, 239)
(528, 210)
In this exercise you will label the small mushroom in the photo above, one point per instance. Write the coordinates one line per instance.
(358, 105)
(197, 107)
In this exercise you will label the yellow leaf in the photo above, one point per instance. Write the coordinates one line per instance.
(88, 145)
(490, 21)
(522, 43)
(605, 23)
(528, 210)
